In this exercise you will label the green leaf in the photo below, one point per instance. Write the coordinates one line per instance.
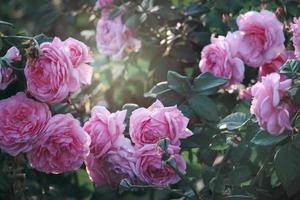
(195, 9)
(287, 168)
(233, 121)
(132, 21)
(264, 138)
(114, 13)
(207, 156)
(238, 197)
(217, 185)
(295, 94)
(290, 68)
(179, 83)
(6, 23)
(158, 88)
(207, 83)
(170, 98)
(204, 107)
(147, 4)
(240, 175)
(297, 122)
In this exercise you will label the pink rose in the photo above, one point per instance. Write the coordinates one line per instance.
(64, 148)
(261, 37)
(295, 29)
(218, 59)
(103, 3)
(105, 129)
(13, 54)
(116, 164)
(275, 64)
(114, 38)
(151, 169)
(148, 126)
(22, 123)
(81, 56)
(52, 77)
(6, 77)
(272, 114)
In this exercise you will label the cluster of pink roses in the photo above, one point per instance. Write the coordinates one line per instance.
(53, 144)
(259, 43)
(113, 157)
(113, 37)
(6, 72)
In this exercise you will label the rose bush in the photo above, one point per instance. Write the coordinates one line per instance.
(179, 100)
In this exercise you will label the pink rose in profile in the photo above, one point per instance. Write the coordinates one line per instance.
(261, 37)
(63, 148)
(13, 55)
(295, 29)
(81, 57)
(6, 77)
(105, 129)
(148, 126)
(151, 169)
(272, 114)
(218, 59)
(22, 123)
(103, 3)
(52, 77)
(116, 164)
(275, 64)
(114, 38)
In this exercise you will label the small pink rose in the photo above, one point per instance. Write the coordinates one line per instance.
(13, 55)
(148, 126)
(260, 37)
(63, 148)
(51, 77)
(105, 129)
(272, 114)
(22, 123)
(218, 59)
(151, 169)
(6, 77)
(295, 29)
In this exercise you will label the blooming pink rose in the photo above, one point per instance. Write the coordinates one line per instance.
(116, 164)
(13, 54)
(81, 56)
(51, 77)
(295, 28)
(261, 37)
(103, 3)
(114, 38)
(22, 123)
(217, 58)
(275, 64)
(64, 148)
(148, 126)
(6, 77)
(271, 113)
(151, 169)
(105, 129)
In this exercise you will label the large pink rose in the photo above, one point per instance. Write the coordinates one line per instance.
(114, 38)
(116, 164)
(272, 114)
(275, 64)
(103, 3)
(148, 126)
(64, 148)
(22, 123)
(51, 77)
(295, 28)
(13, 55)
(151, 169)
(105, 129)
(261, 37)
(81, 57)
(218, 59)
(6, 77)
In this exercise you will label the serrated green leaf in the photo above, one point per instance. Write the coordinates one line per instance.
(290, 68)
(233, 121)
(132, 21)
(264, 138)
